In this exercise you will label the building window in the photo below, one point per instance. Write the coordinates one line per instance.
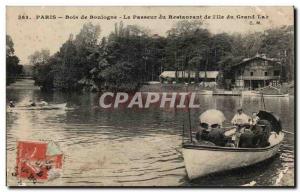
(276, 73)
(266, 73)
(251, 73)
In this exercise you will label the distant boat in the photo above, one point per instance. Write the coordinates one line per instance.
(250, 93)
(38, 107)
(205, 92)
(258, 94)
(276, 95)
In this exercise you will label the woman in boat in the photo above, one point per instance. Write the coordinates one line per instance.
(210, 129)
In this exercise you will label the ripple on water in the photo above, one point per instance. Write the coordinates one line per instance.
(117, 148)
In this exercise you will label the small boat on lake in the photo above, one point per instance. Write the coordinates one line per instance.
(48, 107)
(250, 93)
(41, 107)
(258, 94)
(276, 95)
(205, 92)
(201, 159)
(268, 91)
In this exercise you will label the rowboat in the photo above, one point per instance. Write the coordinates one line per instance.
(276, 95)
(205, 92)
(48, 107)
(203, 160)
(250, 93)
(258, 94)
(43, 107)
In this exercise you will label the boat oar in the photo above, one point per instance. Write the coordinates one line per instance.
(288, 132)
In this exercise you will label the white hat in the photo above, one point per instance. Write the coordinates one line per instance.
(212, 116)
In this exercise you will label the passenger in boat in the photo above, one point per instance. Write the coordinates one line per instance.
(262, 132)
(242, 122)
(210, 128)
(254, 119)
(32, 103)
(11, 104)
(256, 130)
(217, 136)
(246, 139)
(254, 134)
(43, 103)
(211, 133)
(240, 118)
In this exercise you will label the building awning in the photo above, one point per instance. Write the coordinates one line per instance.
(185, 74)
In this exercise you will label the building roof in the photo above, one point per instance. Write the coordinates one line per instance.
(257, 56)
(171, 74)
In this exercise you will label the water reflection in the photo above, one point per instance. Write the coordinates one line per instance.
(133, 147)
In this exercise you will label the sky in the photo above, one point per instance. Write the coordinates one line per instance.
(30, 35)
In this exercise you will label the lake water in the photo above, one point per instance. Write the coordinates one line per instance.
(142, 147)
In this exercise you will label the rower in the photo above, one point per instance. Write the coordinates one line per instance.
(43, 103)
(32, 103)
(11, 104)
(240, 118)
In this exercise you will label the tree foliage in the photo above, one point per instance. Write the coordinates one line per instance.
(130, 55)
(13, 68)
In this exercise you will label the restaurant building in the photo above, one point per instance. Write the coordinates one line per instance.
(258, 71)
(184, 76)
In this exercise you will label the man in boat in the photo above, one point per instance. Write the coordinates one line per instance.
(242, 123)
(240, 118)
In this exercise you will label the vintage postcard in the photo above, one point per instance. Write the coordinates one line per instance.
(150, 96)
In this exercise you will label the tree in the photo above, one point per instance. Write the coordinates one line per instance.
(9, 46)
(41, 68)
(13, 68)
(189, 41)
(120, 77)
(130, 55)
(72, 63)
(67, 68)
(39, 57)
(279, 43)
(86, 42)
(184, 27)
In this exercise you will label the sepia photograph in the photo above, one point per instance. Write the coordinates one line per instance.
(150, 96)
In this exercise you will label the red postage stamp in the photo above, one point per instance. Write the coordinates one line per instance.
(38, 161)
